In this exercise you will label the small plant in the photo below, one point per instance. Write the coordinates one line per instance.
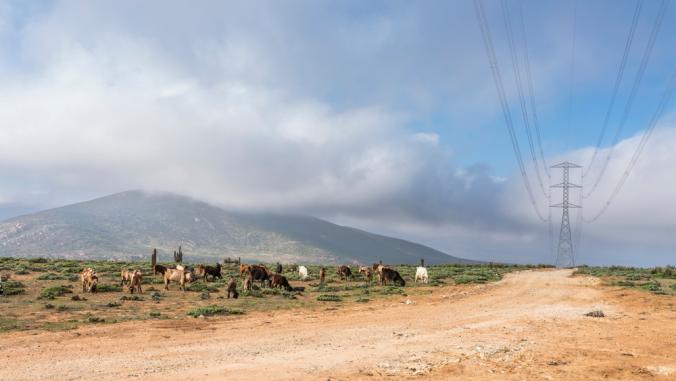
(156, 296)
(95, 319)
(13, 287)
(50, 293)
(329, 298)
(155, 314)
(205, 295)
(134, 298)
(49, 306)
(362, 299)
(108, 288)
(113, 304)
(21, 271)
(651, 286)
(214, 310)
(78, 298)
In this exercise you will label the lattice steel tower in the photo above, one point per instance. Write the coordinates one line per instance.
(565, 256)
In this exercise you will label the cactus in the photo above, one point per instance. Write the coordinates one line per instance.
(178, 256)
(153, 260)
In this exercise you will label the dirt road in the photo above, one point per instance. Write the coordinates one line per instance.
(529, 326)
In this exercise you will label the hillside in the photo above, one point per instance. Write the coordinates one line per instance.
(129, 225)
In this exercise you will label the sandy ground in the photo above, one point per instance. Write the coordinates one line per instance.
(529, 326)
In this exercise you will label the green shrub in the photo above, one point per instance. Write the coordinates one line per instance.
(53, 276)
(155, 314)
(113, 304)
(13, 287)
(108, 288)
(651, 286)
(95, 319)
(134, 298)
(54, 291)
(214, 310)
(329, 298)
(201, 287)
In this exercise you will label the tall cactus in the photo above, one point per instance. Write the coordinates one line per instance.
(178, 256)
(153, 260)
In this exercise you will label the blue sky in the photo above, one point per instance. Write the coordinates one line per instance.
(378, 114)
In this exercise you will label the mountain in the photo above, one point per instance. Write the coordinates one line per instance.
(129, 225)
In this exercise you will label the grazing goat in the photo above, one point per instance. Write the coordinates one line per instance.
(259, 274)
(243, 269)
(125, 276)
(368, 273)
(389, 275)
(322, 275)
(232, 288)
(248, 283)
(344, 272)
(421, 273)
(175, 275)
(89, 280)
(302, 272)
(203, 272)
(135, 282)
(280, 281)
(159, 269)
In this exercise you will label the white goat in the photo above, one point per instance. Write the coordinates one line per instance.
(302, 272)
(421, 273)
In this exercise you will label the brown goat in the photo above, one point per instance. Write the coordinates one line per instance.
(344, 272)
(89, 280)
(248, 283)
(175, 275)
(389, 275)
(368, 273)
(135, 282)
(232, 288)
(280, 281)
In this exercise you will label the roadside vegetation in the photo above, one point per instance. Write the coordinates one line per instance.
(46, 294)
(657, 280)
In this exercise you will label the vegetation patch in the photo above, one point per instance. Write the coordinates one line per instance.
(108, 288)
(13, 287)
(134, 298)
(50, 293)
(214, 310)
(53, 276)
(329, 298)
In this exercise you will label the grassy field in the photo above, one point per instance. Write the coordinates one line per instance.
(45, 294)
(658, 280)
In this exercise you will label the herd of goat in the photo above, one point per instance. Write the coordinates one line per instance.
(249, 273)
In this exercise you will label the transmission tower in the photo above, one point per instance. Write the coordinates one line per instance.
(564, 255)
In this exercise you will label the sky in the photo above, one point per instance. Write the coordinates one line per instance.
(381, 115)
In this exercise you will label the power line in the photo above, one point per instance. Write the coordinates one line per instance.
(616, 86)
(531, 91)
(572, 67)
(497, 80)
(519, 87)
(634, 89)
(657, 115)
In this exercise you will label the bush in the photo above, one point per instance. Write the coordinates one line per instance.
(13, 287)
(113, 304)
(54, 291)
(95, 319)
(329, 298)
(651, 286)
(53, 276)
(155, 314)
(134, 298)
(108, 288)
(201, 287)
(214, 310)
